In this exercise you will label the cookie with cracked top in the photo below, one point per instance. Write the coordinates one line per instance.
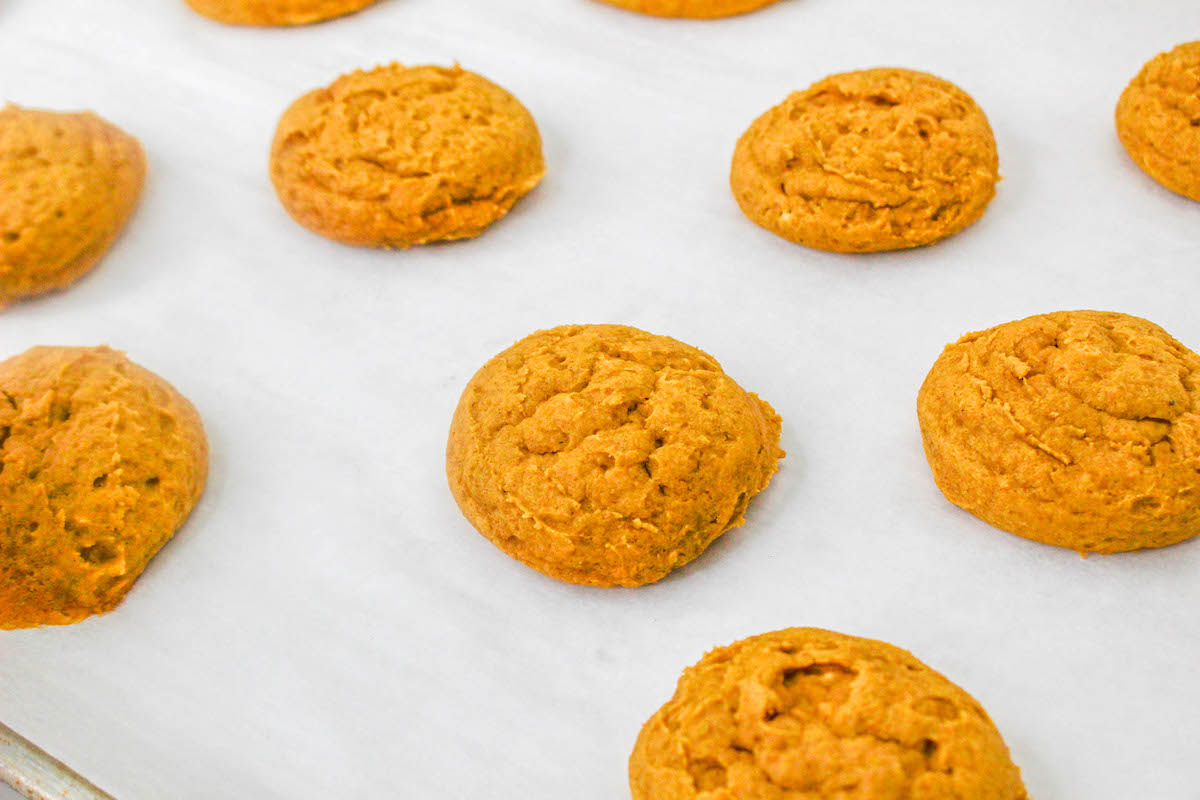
(400, 156)
(1158, 119)
(694, 9)
(68, 184)
(805, 712)
(276, 12)
(100, 462)
(1077, 428)
(605, 455)
(880, 159)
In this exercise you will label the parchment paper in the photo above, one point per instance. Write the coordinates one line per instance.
(327, 624)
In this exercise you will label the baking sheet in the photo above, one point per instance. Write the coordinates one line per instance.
(327, 625)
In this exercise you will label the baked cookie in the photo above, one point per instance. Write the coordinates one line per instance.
(405, 155)
(68, 183)
(1158, 119)
(100, 462)
(807, 713)
(696, 9)
(276, 12)
(607, 456)
(880, 159)
(1077, 428)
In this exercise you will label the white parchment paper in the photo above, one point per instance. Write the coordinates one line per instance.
(327, 624)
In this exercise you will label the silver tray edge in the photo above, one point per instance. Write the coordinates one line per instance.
(36, 774)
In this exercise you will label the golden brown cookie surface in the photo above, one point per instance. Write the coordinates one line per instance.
(1158, 119)
(1077, 428)
(276, 12)
(808, 713)
(400, 156)
(68, 183)
(101, 462)
(607, 456)
(696, 9)
(880, 159)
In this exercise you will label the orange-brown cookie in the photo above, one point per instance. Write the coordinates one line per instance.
(1158, 119)
(696, 9)
(807, 713)
(1077, 428)
(68, 183)
(880, 159)
(400, 156)
(607, 456)
(100, 462)
(276, 12)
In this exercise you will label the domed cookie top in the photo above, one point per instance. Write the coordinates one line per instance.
(276, 12)
(697, 9)
(405, 155)
(604, 455)
(68, 183)
(100, 462)
(810, 713)
(880, 159)
(1077, 428)
(1158, 119)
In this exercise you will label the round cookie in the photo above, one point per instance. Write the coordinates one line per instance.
(808, 713)
(881, 159)
(400, 156)
(276, 12)
(68, 183)
(607, 456)
(100, 462)
(1077, 428)
(695, 9)
(1158, 119)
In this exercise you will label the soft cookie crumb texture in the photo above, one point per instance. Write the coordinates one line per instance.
(100, 462)
(402, 156)
(1076, 428)
(68, 183)
(1158, 119)
(807, 714)
(604, 455)
(695, 9)
(276, 12)
(881, 159)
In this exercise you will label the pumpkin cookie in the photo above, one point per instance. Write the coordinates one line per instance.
(276, 12)
(809, 713)
(1158, 119)
(603, 455)
(405, 155)
(68, 183)
(100, 462)
(1077, 428)
(696, 9)
(880, 159)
